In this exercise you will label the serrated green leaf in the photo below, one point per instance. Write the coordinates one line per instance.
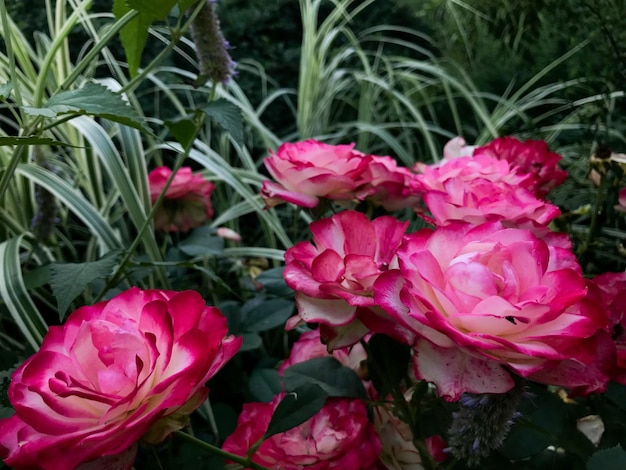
(184, 128)
(270, 314)
(32, 140)
(608, 459)
(158, 9)
(94, 100)
(133, 36)
(264, 384)
(295, 408)
(202, 242)
(69, 280)
(227, 116)
(328, 373)
(5, 90)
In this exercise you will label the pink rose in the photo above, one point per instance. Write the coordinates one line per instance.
(398, 451)
(621, 206)
(333, 277)
(310, 346)
(309, 170)
(391, 184)
(613, 296)
(339, 437)
(531, 157)
(482, 189)
(187, 202)
(488, 301)
(128, 368)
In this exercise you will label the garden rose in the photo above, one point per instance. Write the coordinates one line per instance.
(339, 437)
(621, 206)
(486, 301)
(391, 184)
(129, 368)
(530, 157)
(333, 277)
(613, 294)
(309, 346)
(481, 189)
(309, 170)
(187, 201)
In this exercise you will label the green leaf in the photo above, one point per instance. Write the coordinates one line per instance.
(251, 341)
(158, 9)
(94, 100)
(69, 280)
(5, 90)
(185, 5)
(273, 281)
(134, 35)
(608, 459)
(295, 408)
(264, 384)
(202, 242)
(31, 140)
(388, 362)
(227, 116)
(184, 128)
(328, 373)
(270, 314)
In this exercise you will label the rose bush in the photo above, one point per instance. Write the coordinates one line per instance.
(340, 437)
(488, 301)
(334, 275)
(481, 189)
(187, 201)
(130, 368)
(309, 170)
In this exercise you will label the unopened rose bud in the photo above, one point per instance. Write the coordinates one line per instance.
(228, 234)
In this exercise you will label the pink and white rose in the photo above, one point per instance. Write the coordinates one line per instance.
(307, 171)
(334, 275)
(187, 201)
(530, 157)
(481, 189)
(339, 437)
(392, 184)
(130, 368)
(488, 301)
(309, 346)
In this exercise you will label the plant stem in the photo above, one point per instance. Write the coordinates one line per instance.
(246, 463)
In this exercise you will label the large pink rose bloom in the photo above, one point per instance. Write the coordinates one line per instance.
(530, 157)
(129, 368)
(481, 189)
(309, 170)
(488, 301)
(334, 275)
(187, 202)
(339, 437)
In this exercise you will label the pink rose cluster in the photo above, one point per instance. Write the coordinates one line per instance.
(343, 435)
(186, 203)
(128, 369)
(505, 180)
(487, 295)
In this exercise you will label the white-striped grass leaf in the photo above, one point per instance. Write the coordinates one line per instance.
(74, 200)
(15, 296)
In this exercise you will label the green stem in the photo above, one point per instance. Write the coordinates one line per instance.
(246, 463)
(595, 215)
(117, 275)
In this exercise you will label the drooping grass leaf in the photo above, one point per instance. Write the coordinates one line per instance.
(69, 280)
(30, 140)
(92, 99)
